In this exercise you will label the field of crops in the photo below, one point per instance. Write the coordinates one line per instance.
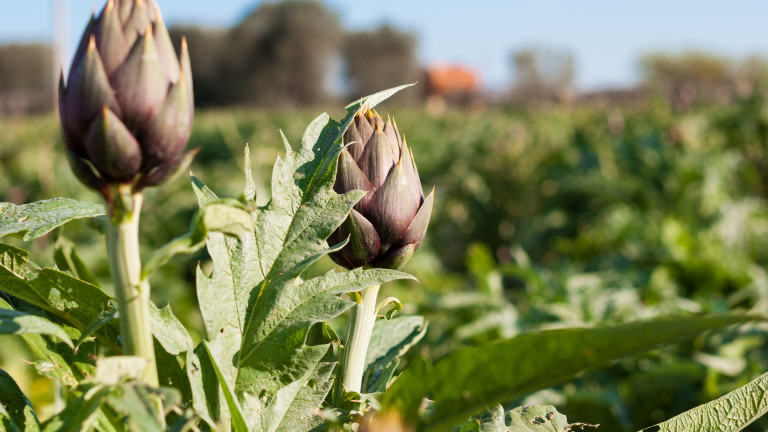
(543, 218)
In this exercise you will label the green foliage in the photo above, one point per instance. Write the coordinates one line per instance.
(15, 322)
(729, 413)
(522, 419)
(390, 340)
(14, 406)
(543, 219)
(51, 291)
(473, 378)
(259, 311)
(39, 218)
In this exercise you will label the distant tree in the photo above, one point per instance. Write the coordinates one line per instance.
(543, 74)
(688, 77)
(25, 77)
(280, 54)
(205, 46)
(380, 59)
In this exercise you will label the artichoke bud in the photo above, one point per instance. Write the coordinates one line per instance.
(127, 108)
(389, 223)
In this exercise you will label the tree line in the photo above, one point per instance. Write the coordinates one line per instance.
(296, 53)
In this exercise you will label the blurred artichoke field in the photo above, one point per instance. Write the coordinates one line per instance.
(542, 218)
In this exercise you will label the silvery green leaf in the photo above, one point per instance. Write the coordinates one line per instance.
(168, 330)
(471, 379)
(729, 413)
(390, 339)
(30, 221)
(257, 308)
(77, 302)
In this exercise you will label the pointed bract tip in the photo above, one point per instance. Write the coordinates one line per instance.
(148, 31)
(91, 43)
(369, 114)
(110, 4)
(183, 44)
(158, 16)
(182, 74)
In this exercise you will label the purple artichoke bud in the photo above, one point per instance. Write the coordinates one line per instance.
(127, 108)
(389, 223)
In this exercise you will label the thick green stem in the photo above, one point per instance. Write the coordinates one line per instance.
(132, 294)
(359, 329)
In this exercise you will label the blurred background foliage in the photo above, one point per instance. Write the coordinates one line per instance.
(544, 217)
(553, 207)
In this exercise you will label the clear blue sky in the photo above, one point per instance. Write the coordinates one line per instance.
(605, 36)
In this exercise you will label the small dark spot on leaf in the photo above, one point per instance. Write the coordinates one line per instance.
(222, 331)
(538, 421)
(550, 416)
(311, 383)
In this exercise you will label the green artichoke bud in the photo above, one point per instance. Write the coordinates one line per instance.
(389, 223)
(127, 108)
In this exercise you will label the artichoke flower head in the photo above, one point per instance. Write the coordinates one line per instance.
(389, 223)
(127, 108)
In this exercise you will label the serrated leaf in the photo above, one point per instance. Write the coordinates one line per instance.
(281, 320)
(256, 307)
(291, 408)
(168, 330)
(77, 302)
(390, 339)
(13, 403)
(224, 216)
(730, 413)
(15, 322)
(36, 219)
(470, 379)
(223, 298)
(238, 422)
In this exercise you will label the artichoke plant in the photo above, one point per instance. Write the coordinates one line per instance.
(389, 223)
(127, 108)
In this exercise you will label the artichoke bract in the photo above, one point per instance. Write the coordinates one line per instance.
(389, 223)
(127, 107)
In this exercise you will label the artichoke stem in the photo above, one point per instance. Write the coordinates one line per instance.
(359, 328)
(132, 294)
